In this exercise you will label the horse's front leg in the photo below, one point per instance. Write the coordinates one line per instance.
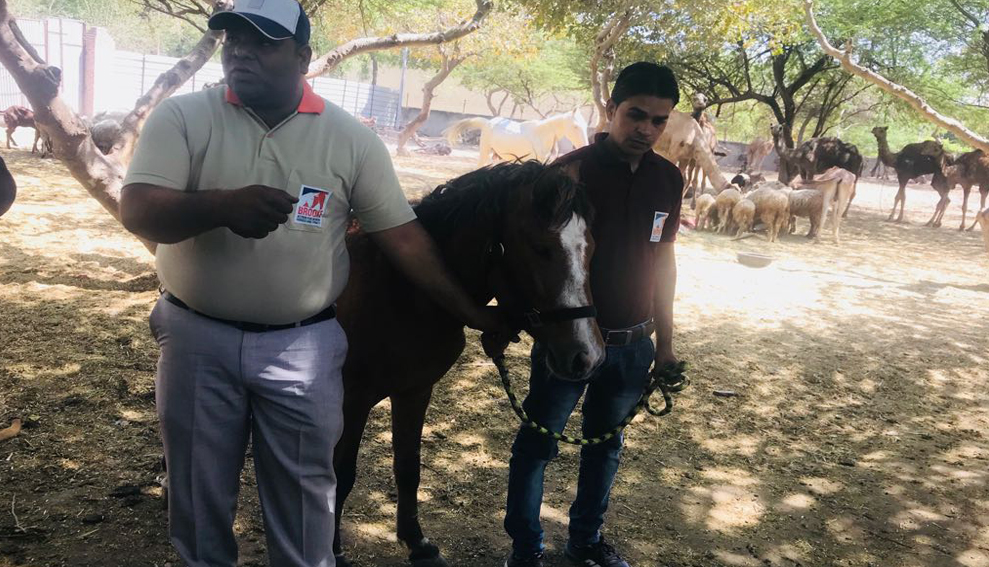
(408, 412)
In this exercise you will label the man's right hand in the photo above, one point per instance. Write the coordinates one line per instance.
(254, 211)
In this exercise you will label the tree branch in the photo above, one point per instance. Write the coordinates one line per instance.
(192, 15)
(449, 63)
(100, 175)
(328, 62)
(604, 42)
(164, 86)
(966, 14)
(844, 57)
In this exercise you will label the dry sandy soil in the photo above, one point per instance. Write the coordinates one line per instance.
(858, 435)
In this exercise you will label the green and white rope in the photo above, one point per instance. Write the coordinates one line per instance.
(668, 381)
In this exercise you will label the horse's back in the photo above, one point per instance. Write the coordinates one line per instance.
(399, 338)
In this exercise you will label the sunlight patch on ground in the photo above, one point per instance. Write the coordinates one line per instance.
(736, 559)
(973, 558)
(821, 486)
(745, 445)
(378, 531)
(727, 506)
(795, 502)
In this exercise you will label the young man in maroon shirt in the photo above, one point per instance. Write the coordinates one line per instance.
(636, 196)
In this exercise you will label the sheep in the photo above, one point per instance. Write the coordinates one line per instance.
(724, 203)
(838, 187)
(773, 209)
(705, 203)
(742, 180)
(743, 215)
(807, 203)
(764, 184)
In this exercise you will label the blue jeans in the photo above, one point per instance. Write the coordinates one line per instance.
(612, 392)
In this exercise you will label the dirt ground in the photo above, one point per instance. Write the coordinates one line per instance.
(857, 438)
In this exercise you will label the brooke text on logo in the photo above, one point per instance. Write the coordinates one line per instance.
(312, 203)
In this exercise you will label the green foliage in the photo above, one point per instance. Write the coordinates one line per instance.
(132, 26)
(549, 67)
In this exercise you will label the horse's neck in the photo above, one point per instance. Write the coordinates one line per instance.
(466, 254)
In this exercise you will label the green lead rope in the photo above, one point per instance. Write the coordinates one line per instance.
(668, 380)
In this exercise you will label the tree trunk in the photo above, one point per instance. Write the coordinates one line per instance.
(101, 175)
(603, 45)
(448, 65)
(165, 85)
(331, 60)
(496, 109)
(913, 99)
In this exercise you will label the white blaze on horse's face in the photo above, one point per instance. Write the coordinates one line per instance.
(573, 238)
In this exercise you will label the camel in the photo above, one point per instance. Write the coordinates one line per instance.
(684, 140)
(836, 185)
(793, 162)
(983, 220)
(831, 152)
(879, 170)
(912, 161)
(695, 176)
(969, 169)
(756, 153)
(818, 155)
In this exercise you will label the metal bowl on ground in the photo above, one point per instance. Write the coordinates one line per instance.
(754, 260)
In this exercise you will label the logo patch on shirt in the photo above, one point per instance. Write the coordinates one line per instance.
(312, 203)
(658, 222)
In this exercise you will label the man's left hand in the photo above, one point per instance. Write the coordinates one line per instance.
(665, 359)
(496, 333)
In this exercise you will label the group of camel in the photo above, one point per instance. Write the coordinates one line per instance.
(690, 141)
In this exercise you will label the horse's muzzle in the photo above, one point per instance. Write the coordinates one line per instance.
(574, 365)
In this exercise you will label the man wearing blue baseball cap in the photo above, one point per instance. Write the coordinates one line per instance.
(248, 190)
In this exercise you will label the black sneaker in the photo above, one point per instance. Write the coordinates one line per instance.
(599, 554)
(535, 560)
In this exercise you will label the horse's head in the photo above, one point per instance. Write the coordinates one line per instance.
(545, 255)
(575, 129)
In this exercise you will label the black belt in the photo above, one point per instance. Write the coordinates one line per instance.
(324, 315)
(624, 337)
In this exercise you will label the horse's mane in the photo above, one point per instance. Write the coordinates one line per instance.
(482, 195)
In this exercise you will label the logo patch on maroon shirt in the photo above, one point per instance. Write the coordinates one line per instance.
(658, 222)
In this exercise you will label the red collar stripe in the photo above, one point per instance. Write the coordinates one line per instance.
(311, 102)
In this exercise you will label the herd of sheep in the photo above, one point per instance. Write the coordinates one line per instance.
(747, 201)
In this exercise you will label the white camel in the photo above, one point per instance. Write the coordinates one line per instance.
(507, 140)
(695, 175)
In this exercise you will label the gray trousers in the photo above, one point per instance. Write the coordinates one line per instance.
(217, 387)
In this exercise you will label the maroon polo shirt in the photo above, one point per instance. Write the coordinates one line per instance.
(627, 228)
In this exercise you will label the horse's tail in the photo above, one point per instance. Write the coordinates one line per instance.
(453, 131)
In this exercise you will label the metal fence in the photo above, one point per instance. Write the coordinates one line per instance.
(60, 43)
(134, 73)
(125, 76)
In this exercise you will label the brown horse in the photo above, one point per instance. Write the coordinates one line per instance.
(518, 232)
